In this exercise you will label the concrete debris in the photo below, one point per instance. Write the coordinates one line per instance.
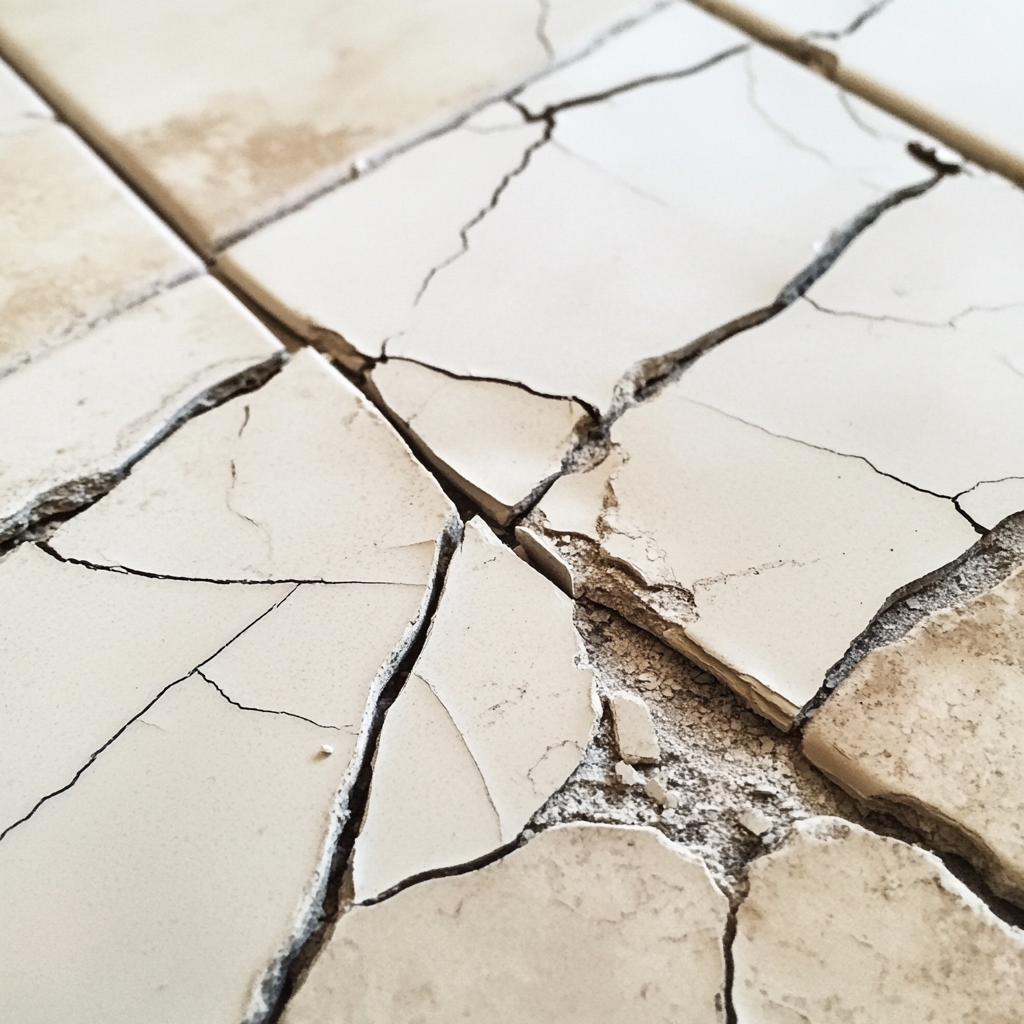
(628, 775)
(634, 731)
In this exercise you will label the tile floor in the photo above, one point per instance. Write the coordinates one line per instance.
(511, 510)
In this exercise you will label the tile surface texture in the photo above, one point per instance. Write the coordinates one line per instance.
(585, 922)
(843, 925)
(229, 112)
(934, 722)
(494, 717)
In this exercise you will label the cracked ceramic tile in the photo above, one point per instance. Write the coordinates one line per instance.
(163, 882)
(301, 480)
(989, 502)
(844, 925)
(929, 726)
(73, 421)
(657, 226)
(758, 555)
(585, 922)
(495, 441)
(817, 19)
(79, 247)
(229, 117)
(495, 717)
(18, 102)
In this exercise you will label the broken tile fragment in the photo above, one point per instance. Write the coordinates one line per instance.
(495, 716)
(183, 862)
(301, 480)
(72, 422)
(497, 442)
(929, 727)
(634, 728)
(628, 775)
(585, 922)
(18, 102)
(256, 107)
(842, 925)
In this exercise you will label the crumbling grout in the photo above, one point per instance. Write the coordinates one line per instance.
(264, 711)
(92, 757)
(728, 939)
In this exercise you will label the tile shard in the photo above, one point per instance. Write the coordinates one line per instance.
(494, 718)
(841, 924)
(929, 726)
(591, 922)
(634, 729)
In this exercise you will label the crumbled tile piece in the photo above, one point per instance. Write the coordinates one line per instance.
(257, 106)
(184, 861)
(628, 775)
(754, 821)
(842, 925)
(634, 728)
(301, 480)
(654, 787)
(585, 922)
(494, 717)
(71, 424)
(496, 442)
(930, 726)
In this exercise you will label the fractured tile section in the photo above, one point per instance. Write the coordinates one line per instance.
(158, 886)
(585, 922)
(494, 718)
(843, 925)
(301, 480)
(254, 107)
(758, 556)
(608, 231)
(18, 102)
(635, 738)
(73, 421)
(495, 441)
(930, 727)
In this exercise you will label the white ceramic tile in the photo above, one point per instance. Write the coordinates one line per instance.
(991, 501)
(85, 651)
(160, 885)
(70, 422)
(300, 480)
(844, 925)
(18, 102)
(638, 227)
(500, 664)
(78, 245)
(635, 737)
(586, 922)
(934, 721)
(759, 555)
(495, 441)
(228, 114)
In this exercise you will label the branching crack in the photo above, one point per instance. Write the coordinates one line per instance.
(866, 15)
(263, 711)
(541, 29)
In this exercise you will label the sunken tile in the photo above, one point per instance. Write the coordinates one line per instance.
(930, 727)
(496, 442)
(585, 922)
(657, 225)
(254, 108)
(844, 925)
(73, 422)
(494, 718)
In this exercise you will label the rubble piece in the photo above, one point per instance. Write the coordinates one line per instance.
(79, 246)
(185, 860)
(585, 922)
(929, 728)
(85, 651)
(257, 108)
(842, 925)
(494, 718)
(302, 480)
(634, 729)
(758, 556)
(655, 788)
(755, 821)
(658, 227)
(496, 442)
(628, 775)
(72, 422)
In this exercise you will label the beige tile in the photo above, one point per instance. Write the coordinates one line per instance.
(635, 738)
(18, 102)
(930, 725)
(586, 922)
(160, 886)
(495, 441)
(228, 115)
(656, 225)
(843, 925)
(301, 480)
(497, 716)
(71, 422)
(78, 246)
